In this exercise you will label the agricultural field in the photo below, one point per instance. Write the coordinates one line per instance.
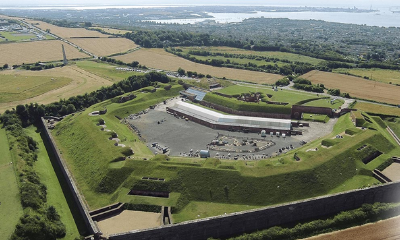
(237, 185)
(39, 51)
(279, 55)
(55, 194)
(326, 103)
(288, 96)
(377, 108)
(11, 209)
(375, 74)
(67, 32)
(82, 82)
(16, 87)
(111, 30)
(104, 46)
(356, 87)
(106, 71)
(160, 59)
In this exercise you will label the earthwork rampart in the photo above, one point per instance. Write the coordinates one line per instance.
(253, 220)
(78, 198)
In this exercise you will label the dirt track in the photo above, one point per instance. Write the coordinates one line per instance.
(387, 229)
(129, 220)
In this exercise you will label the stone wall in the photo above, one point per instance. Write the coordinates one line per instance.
(298, 110)
(253, 220)
(91, 226)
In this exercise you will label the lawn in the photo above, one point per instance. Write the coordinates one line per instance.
(55, 194)
(279, 55)
(16, 36)
(104, 70)
(375, 74)
(282, 95)
(315, 117)
(10, 208)
(377, 108)
(326, 103)
(394, 124)
(17, 87)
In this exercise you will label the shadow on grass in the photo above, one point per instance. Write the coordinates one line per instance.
(80, 223)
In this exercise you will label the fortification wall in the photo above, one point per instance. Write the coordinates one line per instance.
(244, 113)
(297, 110)
(78, 198)
(249, 221)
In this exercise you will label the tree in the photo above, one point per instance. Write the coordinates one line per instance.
(5, 66)
(181, 71)
(71, 108)
(134, 64)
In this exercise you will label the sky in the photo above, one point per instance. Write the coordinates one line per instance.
(330, 3)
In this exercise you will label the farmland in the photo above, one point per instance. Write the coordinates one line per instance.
(356, 87)
(380, 75)
(11, 209)
(278, 55)
(31, 52)
(82, 82)
(159, 59)
(16, 87)
(110, 30)
(104, 46)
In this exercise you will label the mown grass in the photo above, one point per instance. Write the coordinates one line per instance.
(280, 55)
(375, 74)
(326, 103)
(394, 124)
(107, 71)
(315, 117)
(17, 87)
(288, 96)
(16, 36)
(10, 208)
(55, 194)
(377, 108)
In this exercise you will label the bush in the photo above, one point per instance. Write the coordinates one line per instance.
(282, 82)
(142, 207)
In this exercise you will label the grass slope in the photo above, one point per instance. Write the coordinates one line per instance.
(17, 87)
(325, 103)
(104, 70)
(10, 208)
(377, 108)
(55, 195)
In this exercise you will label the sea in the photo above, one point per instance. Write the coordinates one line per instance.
(383, 17)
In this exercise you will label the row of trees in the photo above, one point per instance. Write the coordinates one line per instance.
(41, 220)
(31, 113)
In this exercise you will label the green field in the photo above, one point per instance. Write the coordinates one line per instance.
(48, 177)
(10, 207)
(288, 96)
(377, 108)
(104, 70)
(326, 103)
(208, 187)
(18, 87)
(16, 36)
(279, 55)
(394, 124)
(380, 75)
(315, 117)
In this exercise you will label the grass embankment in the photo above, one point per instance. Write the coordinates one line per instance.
(287, 96)
(194, 183)
(93, 158)
(107, 71)
(315, 117)
(17, 87)
(325, 103)
(238, 105)
(10, 208)
(394, 124)
(377, 108)
(55, 194)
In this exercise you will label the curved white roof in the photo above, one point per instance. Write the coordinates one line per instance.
(234, 120)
